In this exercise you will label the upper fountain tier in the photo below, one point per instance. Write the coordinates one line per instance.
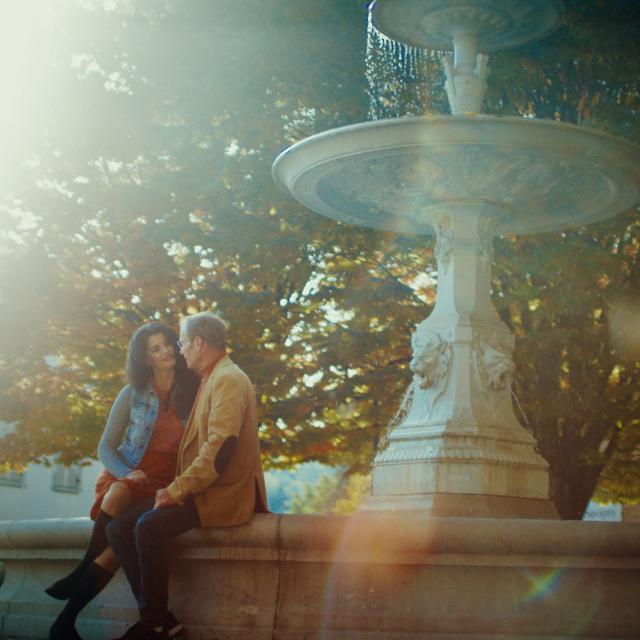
(435, 24)
(402, 174)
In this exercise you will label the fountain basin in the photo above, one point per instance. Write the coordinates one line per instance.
(401, 174)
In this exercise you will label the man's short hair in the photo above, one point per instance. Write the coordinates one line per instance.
(210, 327)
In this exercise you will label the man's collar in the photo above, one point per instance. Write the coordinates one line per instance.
(209, 369)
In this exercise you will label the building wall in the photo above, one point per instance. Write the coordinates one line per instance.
(36, 498)
(42, 493)
(603, 512)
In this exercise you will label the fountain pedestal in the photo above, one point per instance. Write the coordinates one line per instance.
(459, 438)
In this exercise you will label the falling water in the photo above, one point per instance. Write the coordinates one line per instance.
(403, 80)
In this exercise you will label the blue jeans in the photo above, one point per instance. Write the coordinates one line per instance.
(140, 538)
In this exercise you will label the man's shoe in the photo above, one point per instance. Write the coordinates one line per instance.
(142, 630)
(172, 626)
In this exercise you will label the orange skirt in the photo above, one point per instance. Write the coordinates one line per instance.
(160, 469)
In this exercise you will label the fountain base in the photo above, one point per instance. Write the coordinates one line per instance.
(458, 505)
(462, 475)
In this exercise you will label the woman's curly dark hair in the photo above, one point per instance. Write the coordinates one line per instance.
(139, 372)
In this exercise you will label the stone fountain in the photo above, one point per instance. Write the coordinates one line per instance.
(458, 448)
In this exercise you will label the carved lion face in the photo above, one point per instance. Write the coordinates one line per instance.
(430, 358)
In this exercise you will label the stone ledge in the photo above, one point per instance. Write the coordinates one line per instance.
(365, 577)
(395, 533)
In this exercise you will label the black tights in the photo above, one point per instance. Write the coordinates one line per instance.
(63, 588)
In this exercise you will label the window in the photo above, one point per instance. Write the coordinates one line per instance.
(12, 479)
(66, 479)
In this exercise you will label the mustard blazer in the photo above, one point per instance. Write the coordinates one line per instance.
(225, 410)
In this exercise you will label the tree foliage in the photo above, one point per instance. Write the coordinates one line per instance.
(333, 493)
(149, 195)
(140, 188)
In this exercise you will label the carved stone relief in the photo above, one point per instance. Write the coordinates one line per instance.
(431, 358)
(466, 91)
(494, 363)
(473, 451)
(393, 189)
(444, 242)
(486, 231)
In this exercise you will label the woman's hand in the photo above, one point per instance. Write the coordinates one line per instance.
(139, 476)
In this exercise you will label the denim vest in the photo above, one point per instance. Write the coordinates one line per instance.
(143, 411)
(129, 430)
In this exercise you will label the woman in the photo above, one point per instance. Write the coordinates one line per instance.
(139, 452)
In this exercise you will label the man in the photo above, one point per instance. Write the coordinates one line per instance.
(219, 480)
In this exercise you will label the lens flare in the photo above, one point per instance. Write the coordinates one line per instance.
(542, 586)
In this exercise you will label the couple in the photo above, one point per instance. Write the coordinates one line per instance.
(177, 455)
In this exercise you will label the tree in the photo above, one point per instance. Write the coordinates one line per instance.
(335, 493)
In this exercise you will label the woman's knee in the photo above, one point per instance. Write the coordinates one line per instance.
(117, 499)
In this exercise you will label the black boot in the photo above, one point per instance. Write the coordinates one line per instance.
(63, 588)
(89, 585)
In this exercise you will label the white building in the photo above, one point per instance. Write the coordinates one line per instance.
(48, 492)
(603, 512)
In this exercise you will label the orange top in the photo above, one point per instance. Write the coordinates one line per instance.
(169, 430)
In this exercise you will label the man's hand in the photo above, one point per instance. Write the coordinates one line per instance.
(138, 476)
(163, 499)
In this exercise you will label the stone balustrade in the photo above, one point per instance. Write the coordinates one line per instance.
(371, 576)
